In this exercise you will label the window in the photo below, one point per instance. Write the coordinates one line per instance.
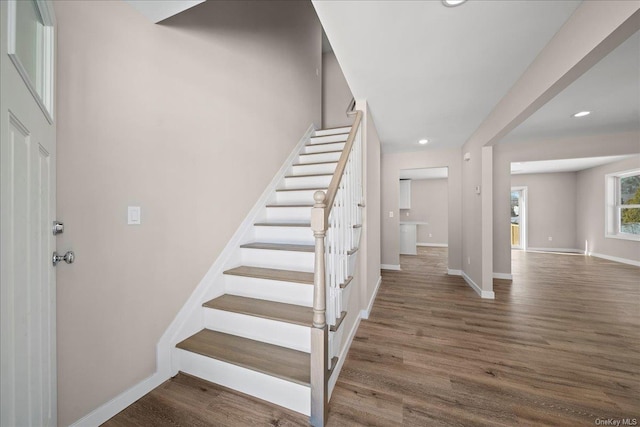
(30, 47)
(623, 205)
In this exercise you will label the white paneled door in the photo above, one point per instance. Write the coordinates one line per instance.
(27, 211)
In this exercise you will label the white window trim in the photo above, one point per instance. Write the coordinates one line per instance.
(45, 100)
(613, 207)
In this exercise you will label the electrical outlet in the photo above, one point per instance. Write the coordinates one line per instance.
(469, 260)
(407, 213)
(550, 238)
(430, 235)
(390, 214)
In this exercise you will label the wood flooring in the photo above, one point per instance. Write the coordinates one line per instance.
(559, 346)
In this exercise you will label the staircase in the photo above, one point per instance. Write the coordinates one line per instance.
(256, 337)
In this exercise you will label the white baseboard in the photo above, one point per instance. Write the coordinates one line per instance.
(433, 245)
(567, 250)
(393, 267)
(503, 276)
(475, 287)
(451, 272)
(364, 314)
(616, 259)
(342, 357)
(103, 413)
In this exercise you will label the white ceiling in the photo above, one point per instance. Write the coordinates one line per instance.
(424, 173)
(611, 90)
(429, 71)
(563, 165)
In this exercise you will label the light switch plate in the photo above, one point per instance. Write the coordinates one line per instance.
(133, 215)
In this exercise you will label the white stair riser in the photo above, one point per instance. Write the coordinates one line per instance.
(319, 157)
(324, 147)
(256, 328)
(275, 390)
(311, 169)
(273, 290)
(295, 197)
(324, 132)
(289, 214)
(308, 181)
(302, 235)
(328, 138)
(283, 260)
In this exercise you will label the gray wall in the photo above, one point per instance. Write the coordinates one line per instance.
(392, 163)
(566, 148)
(551, 211)
(335, 98)
(336, 94)
(590, 206)
(367, 274)
(372, 209)
(190, 120)
(592, 31)
(429, 203)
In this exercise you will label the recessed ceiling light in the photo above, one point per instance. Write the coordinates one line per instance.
(581, 114)
(453, 3)
(423, 141)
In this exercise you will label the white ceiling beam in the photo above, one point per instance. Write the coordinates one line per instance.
(595, 29)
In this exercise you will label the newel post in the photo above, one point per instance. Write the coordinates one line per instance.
(319, 331)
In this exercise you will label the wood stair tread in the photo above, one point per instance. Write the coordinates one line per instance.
(333, 128)
(337, 127)
(280, 362)
(309, 175)
(282, 224)
(315, 163)
(346, 282)
(326, 143)
(316, 188)
(321, 152)
(289, 313)
(272, 274)
(335, 327)
(334, 363)
(300, 205)
(279, 247)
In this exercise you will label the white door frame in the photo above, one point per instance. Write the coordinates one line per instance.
(524, 206)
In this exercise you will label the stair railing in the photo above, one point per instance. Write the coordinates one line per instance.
(333, 219)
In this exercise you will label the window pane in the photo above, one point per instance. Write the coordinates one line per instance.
(630, 220)
(515, 207)
(29, 33)
(630, 190)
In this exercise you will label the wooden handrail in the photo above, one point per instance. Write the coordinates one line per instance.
(320, 330)
(342, 164)
(351, 107)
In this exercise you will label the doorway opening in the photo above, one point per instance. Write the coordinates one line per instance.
(424, 214)
(519, 218)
